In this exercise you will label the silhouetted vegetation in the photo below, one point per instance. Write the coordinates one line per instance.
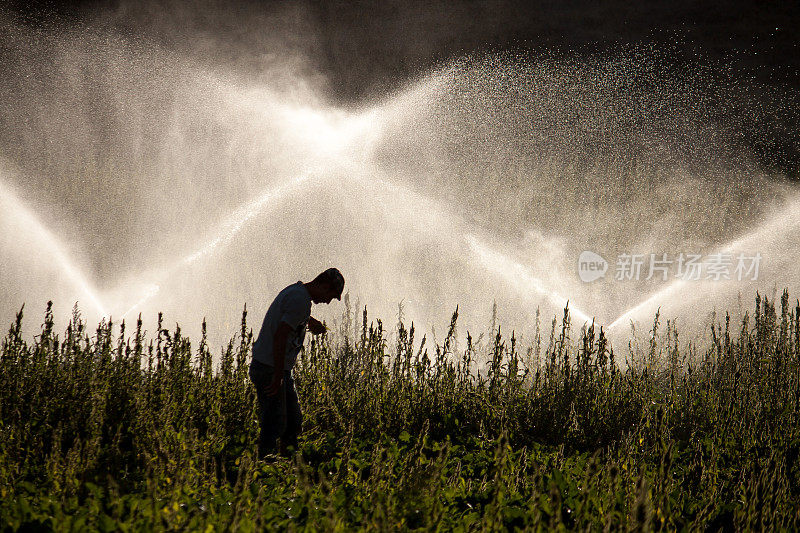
(110, 430)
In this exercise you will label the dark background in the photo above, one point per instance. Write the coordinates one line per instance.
(359, 50)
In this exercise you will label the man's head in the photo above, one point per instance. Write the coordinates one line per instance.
(327, 286)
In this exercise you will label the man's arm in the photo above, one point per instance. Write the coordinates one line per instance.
(315, 326)
(278, 357)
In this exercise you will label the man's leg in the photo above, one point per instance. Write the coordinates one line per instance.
(294, 417)
(271, 409)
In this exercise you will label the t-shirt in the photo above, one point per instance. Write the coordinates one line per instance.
(293, 306)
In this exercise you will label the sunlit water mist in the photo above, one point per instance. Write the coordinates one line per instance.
(776, 237)
(196, 192)
(516, 273)
(226, 232)
(29, 246)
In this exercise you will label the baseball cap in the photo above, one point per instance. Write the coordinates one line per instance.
(334, 278)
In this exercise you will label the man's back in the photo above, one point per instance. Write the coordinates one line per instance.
(293, 306)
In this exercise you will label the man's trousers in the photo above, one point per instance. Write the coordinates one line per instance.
(279, 415)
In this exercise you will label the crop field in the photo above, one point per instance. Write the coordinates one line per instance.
(117, 429)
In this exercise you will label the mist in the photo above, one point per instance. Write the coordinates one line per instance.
(147, 164)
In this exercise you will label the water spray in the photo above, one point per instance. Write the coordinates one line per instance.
(789, 218)
(517, 274)
(14, 206)
(226, 231)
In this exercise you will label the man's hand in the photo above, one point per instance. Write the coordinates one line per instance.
(315, 326)
(274, 387)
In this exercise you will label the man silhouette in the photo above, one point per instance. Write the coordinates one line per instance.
(275, 352)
